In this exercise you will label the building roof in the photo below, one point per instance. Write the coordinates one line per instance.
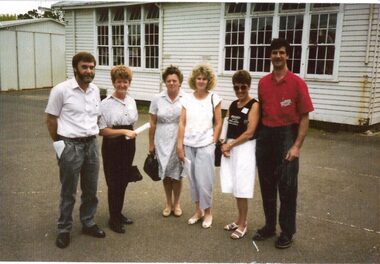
(14, 23)
(86, 4)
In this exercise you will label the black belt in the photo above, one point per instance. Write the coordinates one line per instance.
(78, 139)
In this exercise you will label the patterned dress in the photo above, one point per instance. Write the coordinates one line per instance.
(165, 137)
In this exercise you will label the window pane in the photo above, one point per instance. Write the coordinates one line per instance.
(236, 8)
(262, 7)
(322, 44)
(118, 14)
(261, 37)
(103, 56)
(102, 15)
(152, 11)
(311, 67)
(134, 57)
(118, 56)
(134, 13)
(289, 6)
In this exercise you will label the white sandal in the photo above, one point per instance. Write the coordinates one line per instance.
(237, 234)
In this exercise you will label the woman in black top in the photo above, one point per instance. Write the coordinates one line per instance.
(238, 164)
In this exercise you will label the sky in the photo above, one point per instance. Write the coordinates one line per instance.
(21, 7)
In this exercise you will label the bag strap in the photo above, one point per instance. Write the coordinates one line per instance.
(213, 111)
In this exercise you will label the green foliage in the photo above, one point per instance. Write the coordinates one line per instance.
(7, 17)
(54, 14)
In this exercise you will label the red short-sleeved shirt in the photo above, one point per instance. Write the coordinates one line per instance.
(283, 102)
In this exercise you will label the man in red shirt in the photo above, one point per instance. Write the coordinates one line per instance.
(285, 106)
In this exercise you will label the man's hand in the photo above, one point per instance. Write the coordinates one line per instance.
(293, 153)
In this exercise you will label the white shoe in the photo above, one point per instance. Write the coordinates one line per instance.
(207, 222)
(194, 219)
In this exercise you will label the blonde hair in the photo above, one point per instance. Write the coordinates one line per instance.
(205, 70)
(121, 71)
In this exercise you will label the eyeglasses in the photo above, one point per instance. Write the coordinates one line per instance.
(240, 87)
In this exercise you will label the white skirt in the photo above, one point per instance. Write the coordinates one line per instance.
(237, 172)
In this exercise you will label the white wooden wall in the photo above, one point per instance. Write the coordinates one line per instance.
(32, 56)
(191, 34)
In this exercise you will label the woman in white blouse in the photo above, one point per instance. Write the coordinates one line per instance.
(118, 114)
(199, 128)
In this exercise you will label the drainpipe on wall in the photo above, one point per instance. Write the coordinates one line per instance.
(369, 34)
(161, 29)
(375, 68)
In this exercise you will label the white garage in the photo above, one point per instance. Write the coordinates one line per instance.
(32, 54)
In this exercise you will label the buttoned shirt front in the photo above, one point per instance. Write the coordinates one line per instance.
(117, 112)
(283, 102)
(77, 110)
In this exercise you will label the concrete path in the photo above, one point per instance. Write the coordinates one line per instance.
(338, 217)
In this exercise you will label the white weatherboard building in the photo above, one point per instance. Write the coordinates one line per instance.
(32, 54)
(335, 47)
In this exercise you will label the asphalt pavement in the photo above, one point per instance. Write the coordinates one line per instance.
(338, 216)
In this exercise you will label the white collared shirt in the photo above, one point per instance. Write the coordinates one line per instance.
(116, 112)
(77, 111)
(166, 110)
(199, 128)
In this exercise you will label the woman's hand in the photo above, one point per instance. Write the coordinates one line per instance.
(130, 133)
(226, 148)
(151, 149)
(181, 153)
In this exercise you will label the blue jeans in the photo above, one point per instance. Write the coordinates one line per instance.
(278, 175)
(78, 158)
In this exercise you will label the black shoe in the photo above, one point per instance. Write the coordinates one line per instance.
(283, 241)
(126, 220)
(63, 240)
(116, 226)
(94, 231)
(263, 233)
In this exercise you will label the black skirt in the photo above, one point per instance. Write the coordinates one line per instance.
(118, 154)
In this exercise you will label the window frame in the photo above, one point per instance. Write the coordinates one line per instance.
(276, 14)
(126, 23)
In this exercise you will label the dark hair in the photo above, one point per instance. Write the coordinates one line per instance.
(241, 76)
(279, 43)
(83, 56)
(172, 70)
(121, 71)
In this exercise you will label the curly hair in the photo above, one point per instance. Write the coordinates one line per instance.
(121, 71)
(172, 70)
(241, 76)
(205, 70)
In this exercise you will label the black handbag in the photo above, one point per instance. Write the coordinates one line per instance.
(218, 144)
(218, 153)
(135, 175)
(151, 167)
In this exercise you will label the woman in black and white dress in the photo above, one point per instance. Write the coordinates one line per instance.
(237, 170)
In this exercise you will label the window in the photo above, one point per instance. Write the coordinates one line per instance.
(118, 36)
(310, 29)
(128, 35)
(151, 36)
(291, 29)
(102, 22)
(234, 39)
(322, 44)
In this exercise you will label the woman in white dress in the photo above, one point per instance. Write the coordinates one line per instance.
(164, 111)
(199, 129)
(238, 164)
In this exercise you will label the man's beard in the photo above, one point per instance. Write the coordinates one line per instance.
(86, 78)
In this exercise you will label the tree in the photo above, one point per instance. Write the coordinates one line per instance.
(7, 17)
(32, 14)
